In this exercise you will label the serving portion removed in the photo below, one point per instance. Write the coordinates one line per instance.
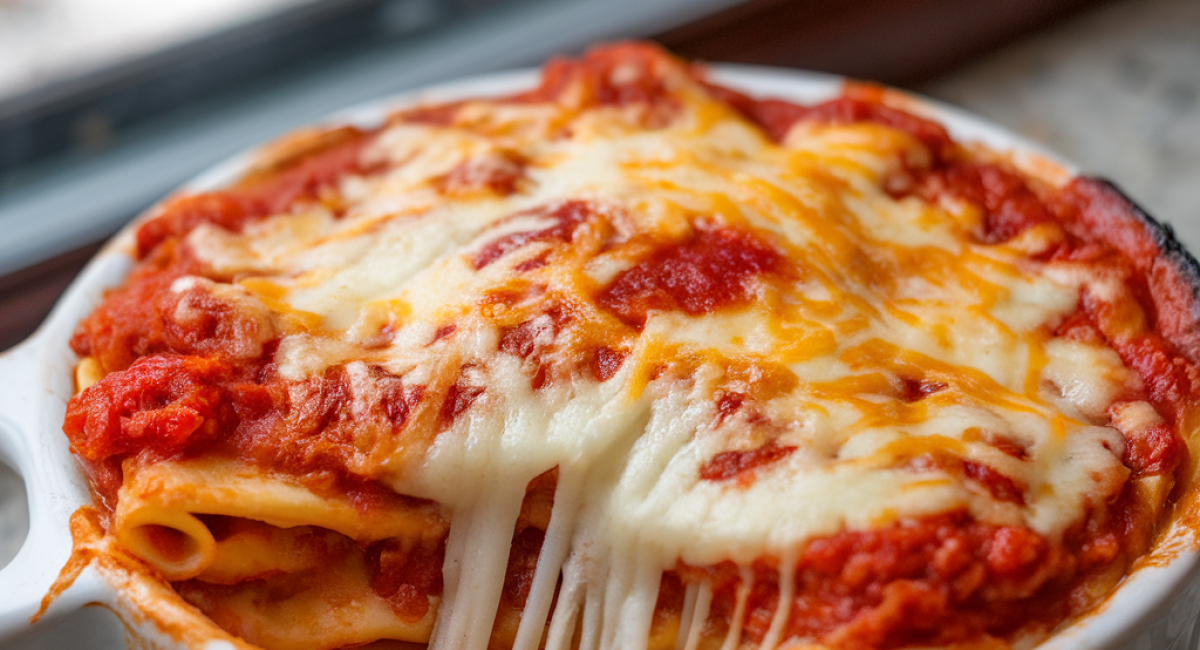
(630, 359)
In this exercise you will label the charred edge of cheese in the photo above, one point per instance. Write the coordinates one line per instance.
(1175, 254)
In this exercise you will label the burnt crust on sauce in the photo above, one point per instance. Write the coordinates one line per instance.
(1173, 251)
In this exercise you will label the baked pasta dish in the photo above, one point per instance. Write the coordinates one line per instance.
(630, 360)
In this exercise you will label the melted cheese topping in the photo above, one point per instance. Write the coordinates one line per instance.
(873, 292)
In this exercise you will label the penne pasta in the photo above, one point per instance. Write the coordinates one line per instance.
(632, 361)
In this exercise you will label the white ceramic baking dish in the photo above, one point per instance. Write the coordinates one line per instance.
(1156, 608)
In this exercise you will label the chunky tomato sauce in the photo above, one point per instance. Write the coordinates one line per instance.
(712, 269)
(406, 576)
(177, 385)
(1010, 206)
(624, 74)
(932, 581)
(302, 178)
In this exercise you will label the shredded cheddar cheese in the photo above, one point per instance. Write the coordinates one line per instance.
(724, 346)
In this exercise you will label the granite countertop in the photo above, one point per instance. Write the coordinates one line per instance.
(1117, 90)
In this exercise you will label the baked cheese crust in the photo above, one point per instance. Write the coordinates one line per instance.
(632, 360)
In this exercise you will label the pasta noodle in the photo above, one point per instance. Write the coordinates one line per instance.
(157, 517)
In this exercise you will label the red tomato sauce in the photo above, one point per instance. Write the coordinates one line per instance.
(924, 581)
(714, 268)
(859, 103)
(174, 389)
(605, 362)
(913, 390)
(626, 73)
(128, 324)
(739, 464)
(1152, 338)
(406, 576)
(1009, 205)
(565, 218)
(173, 406)
(533, 341)
(163, 403)
(258, 196)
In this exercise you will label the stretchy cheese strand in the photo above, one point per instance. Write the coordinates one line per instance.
(555, 549)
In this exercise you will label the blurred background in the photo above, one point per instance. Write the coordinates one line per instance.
(106, 105)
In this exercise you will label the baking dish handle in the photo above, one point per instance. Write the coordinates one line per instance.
(52, 487)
